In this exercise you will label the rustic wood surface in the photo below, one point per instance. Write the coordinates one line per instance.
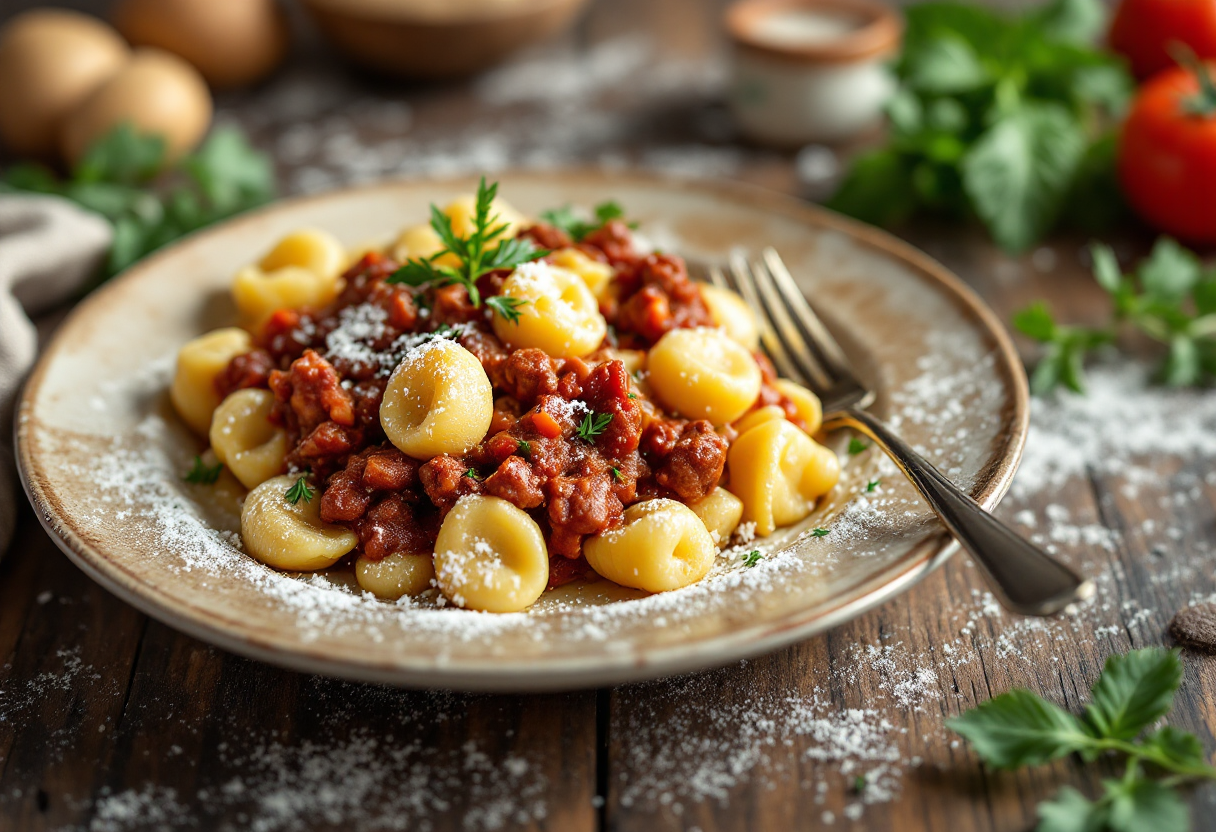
(97, 701)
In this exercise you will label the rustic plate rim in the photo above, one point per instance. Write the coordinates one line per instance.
(992, 481)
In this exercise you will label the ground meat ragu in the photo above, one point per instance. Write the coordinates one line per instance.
(328, 401)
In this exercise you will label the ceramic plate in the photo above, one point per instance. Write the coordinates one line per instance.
(102, 456)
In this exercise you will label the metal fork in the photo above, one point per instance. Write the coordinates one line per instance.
(1025, 578)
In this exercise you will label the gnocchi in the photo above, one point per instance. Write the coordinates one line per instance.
(778, 472)
(302, 270)
(490, 556)
(244, 439)
(598, 276)
(438, 401)
(806, 403)
(559, 314)
(199, 362)
(291, 536)
(395, 576)
(702, 374)
(721, 512)
(662, 546)
(733, 315)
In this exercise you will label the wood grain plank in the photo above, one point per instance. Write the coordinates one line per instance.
(63, 685)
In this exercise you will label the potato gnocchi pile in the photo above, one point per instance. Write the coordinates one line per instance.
(494, 405)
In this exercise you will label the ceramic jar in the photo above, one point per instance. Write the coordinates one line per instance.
(810, 70)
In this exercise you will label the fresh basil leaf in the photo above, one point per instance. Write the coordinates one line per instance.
(1104, 85)
(1170, 272)
(1020, 729)
(1036, 322)
(1106, 267)
(1095, 202)
(130, 243)
(878, 189)
(1046, 375)
(1133, 692)
(1071, 811)
(979, 27)
(1019, 171)
(607, 211)
(1074, 21)
(945, 65)
(1143, 805)
(122, 156)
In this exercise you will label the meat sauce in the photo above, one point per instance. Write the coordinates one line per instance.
(328, 370)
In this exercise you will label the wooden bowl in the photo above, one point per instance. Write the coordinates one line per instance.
(437, 38)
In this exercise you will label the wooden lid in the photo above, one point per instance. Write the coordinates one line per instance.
(878, 30)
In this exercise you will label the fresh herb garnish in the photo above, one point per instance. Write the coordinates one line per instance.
(751, 558)
(633, 395)
(1018, 729)
(616, 473)
(523, 447)
(124, 177)
(1170, 298)
(872, 485)
(472, 474)
(481, 252)
(1008, 119)
(507, 307)
(820, 532)
(201, 473)
(301, 490)
(856, 446)
(565, 219)
(859, 783)
(593, 425)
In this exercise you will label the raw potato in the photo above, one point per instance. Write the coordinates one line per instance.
(156, 92)
(50, 61)
(231, 42)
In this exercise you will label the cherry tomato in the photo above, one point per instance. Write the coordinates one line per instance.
(1167, 154)
(1143, 29)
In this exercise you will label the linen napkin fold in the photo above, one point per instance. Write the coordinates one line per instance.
(48, 248)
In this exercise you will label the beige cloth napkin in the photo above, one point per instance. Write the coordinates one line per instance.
(48, 248)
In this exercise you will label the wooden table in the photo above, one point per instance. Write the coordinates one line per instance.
(111, 720)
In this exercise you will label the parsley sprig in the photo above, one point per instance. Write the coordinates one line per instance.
(593, 425)
(300, 490)
(1019, 729)
(751, 558)
(1169, 297)
(201, 473)
(125, 177)
(578, 228)
(483, 251)
(507, 307)
(857, 446)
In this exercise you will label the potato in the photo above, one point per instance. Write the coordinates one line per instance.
(50, 62)
(155, 92)
(231, 42)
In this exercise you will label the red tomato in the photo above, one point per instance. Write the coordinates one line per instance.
(1167, 156)
(1142, 29)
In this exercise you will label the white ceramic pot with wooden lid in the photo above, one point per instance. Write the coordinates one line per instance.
(810, 70)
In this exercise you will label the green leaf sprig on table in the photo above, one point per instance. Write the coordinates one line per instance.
(1170, 297)
(1019, 729)
(1004, 118)
(124, 178)
(483, 251)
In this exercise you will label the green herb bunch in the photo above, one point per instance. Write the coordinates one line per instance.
(1170, 297)
(483, 251)
(1004, 118)
(124, 178)
(1019, 729)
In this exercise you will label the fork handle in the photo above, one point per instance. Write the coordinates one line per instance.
(1025, 578)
